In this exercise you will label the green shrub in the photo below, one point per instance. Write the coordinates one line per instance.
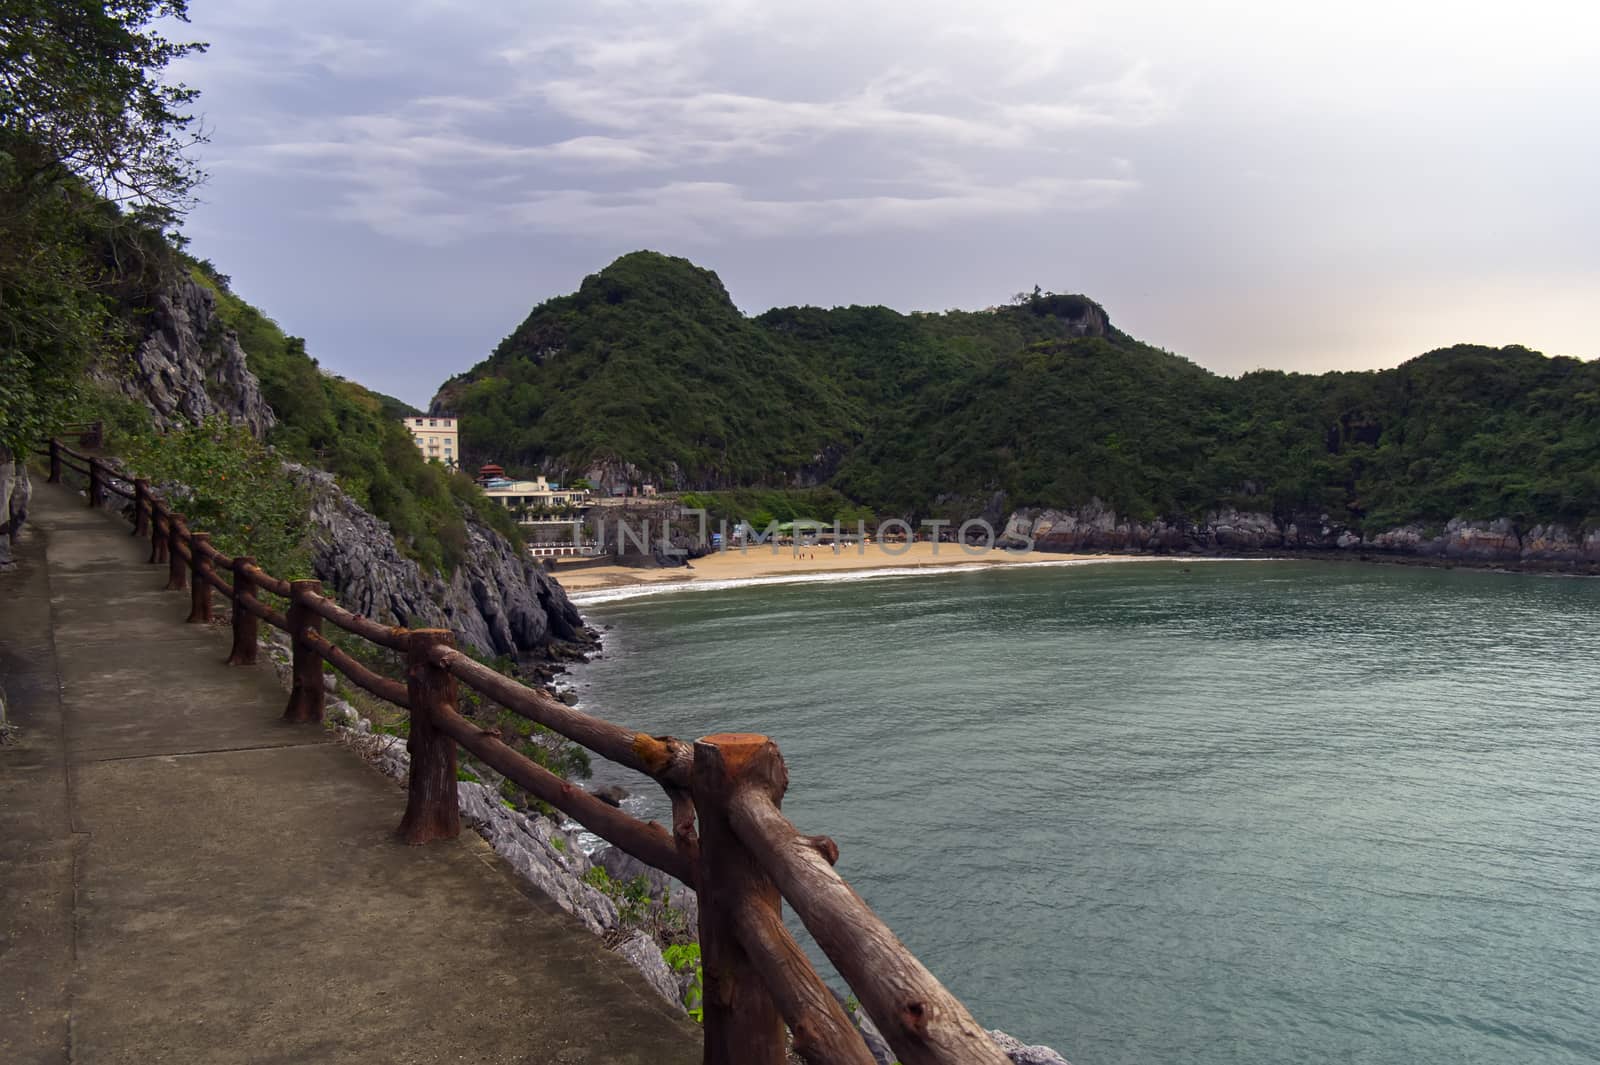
(684, 957)
(227, 483)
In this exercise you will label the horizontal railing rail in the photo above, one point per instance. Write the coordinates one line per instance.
(729, 839)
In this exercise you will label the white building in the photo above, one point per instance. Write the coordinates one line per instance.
(529, 496)
(435, 438)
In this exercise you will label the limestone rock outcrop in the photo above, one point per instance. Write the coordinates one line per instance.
(1096, 527)
(642, 953)
(15, 491)
(498, 601)
(1021, 1053)
(187, 367)
(529, 845)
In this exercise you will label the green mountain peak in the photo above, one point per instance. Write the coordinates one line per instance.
(650, 373)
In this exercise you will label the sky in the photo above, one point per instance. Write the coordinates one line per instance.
(1284, 185)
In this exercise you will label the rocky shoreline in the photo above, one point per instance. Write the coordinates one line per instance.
(1500, 543)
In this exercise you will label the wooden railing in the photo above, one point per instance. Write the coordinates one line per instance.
(729, 839)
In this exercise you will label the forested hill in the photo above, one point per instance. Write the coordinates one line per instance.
(649, 372)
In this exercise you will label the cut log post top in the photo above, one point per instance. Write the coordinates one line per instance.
(743, 1024)
(245, 624)
(307, 698)
(141, 506)
(199, 586)
(432, 810)
(177, 572)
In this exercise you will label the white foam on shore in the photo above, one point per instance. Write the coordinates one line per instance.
(637, 591)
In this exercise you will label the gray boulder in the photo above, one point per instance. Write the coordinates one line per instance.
(498, 601)
(612, 794)
(624, 867)
(187, 367)
(15, 491)
(1022, 1054)
(877, 1045)
(643, 954)
(529, 845)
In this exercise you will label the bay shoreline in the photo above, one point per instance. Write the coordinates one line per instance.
(589, 583)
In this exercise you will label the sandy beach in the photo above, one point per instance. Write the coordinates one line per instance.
(765, 563)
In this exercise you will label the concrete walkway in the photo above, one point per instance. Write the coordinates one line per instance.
(186, 880)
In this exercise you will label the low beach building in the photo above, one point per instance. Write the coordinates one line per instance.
(530, 500)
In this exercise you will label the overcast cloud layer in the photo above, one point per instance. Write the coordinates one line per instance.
(1246, 184)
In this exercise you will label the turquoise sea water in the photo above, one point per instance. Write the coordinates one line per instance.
(1254, 812)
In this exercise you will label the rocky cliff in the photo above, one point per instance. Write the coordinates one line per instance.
(497, 600)
(1096, 527)
(187, 367)
(15, 490)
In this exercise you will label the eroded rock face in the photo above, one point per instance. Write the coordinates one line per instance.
(15, 491)
(528, 844)
(498, 601)
(642, 953)
(188, 368)
(1022, 1054)
(1096, 527)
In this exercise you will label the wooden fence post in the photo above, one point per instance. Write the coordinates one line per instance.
(97, 484)
(245, 624)
(158, 535)
(742, 1023)
(141, 507)
(199, 587)
(55, 462)
(307, 698)
(177, 576)
(432, 810)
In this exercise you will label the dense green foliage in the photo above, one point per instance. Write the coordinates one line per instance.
(763, 506)
(951, 414)
(338, 425)
(53, 312)
(228, 483)
(92, 164)
(685, 958)
(650, 358)
(82, 92)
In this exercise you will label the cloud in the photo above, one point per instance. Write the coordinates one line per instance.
(694, 103)
(707, 210)
(1229, 178)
